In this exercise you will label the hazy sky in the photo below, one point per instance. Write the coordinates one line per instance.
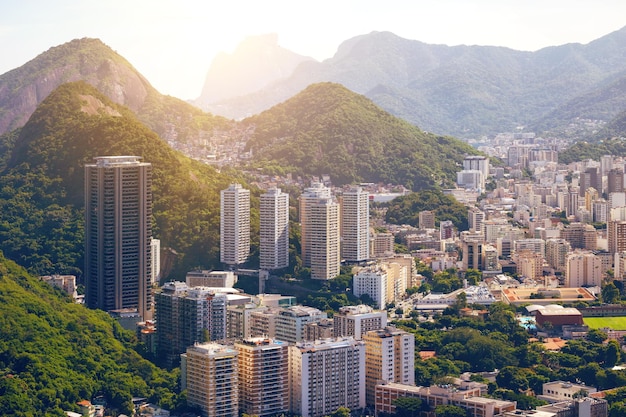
(172, 43)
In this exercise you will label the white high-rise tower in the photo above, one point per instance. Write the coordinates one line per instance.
(355, 237)
(319, 218)
(274, 229)
(234, 225)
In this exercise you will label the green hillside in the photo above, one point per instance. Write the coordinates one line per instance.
(328, 129)
(54, 353)
(41, 188)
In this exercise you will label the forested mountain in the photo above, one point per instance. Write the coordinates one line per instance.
(463, 90)
(54, 353)
(41, 186)
(328, 129)
(90, 60)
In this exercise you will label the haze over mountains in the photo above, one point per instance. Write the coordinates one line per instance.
(464, 91)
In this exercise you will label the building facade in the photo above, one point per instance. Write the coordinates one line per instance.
(320, 240)
(274, 229)
(389, 356)
(355, 235)
(263, 376)
(326, 375)
(355, 321)
(118, 234)
(209, 373)
(234, 225)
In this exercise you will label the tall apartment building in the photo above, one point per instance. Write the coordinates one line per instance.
(238, 320)
(617, 236)
(584, 269)
(355, 234)
(615, 181)
(390, 357)
(274, 229)
(118, 234)
(319, 219)
(590, 178)
(475, 218)
(290, 322)
(209, 373)
(556, 253)
(580, 236)
(446, 230)
(472, 243)
(529, 264)
(155, 261)
(234, 225)
(373, 282)
(326, 375)
(355, 321)
(263, 376)
(427, 219)
(185, 316)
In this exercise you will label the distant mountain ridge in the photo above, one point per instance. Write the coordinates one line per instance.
(458, 90)
(257, 62)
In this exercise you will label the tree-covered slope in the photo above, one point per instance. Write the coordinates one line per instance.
(41, 188)
(405, 209)
(54, 353)
(328, 129)
(90, 60)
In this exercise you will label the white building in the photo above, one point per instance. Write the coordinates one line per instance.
(584, 269)
(224, 279)
(234, 225)
(326, 375)
(320, 242)
(274, 229)
(290, 322)
(355, 234)
(373, 282)
(156, 260)
(357, 320)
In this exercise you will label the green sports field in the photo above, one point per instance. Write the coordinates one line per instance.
(615, 323)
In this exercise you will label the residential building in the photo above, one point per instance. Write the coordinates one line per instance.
(187, 315)
(234, 225)
(290, 322)
(320, 243)
(263, 376)
(382, 245)
(615, 181)
(617, 236)
(475, 217)
(372, 281)
(355, 234)
(155, 253)
(215, 279)
(466, 396)
(118, 234)
(426, 219)
(326, 375)
(389, 356)
(472, 247)
(556, 253)
(584, 269)
(274, 229)
(355, 321)
(209, 373)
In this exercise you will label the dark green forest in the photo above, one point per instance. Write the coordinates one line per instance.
(54, 353)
